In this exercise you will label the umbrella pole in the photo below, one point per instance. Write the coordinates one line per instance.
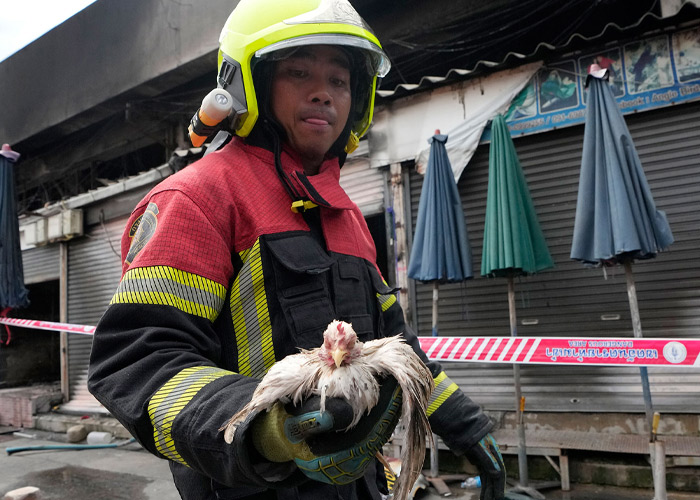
(435, 480)
(434, 466)
(637, 329)
(658, 478)
(522, 448)
(523, 482)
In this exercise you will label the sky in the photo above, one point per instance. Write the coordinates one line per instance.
(23, 21)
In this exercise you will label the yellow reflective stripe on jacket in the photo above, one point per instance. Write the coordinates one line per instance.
(444, 387)
(167, 403)
(165, 285)
(251, 317)
(386, 301)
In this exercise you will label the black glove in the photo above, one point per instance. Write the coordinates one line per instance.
(486, 456)
(317, 441)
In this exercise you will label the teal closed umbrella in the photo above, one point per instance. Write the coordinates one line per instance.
(514, 245)
(513, 240)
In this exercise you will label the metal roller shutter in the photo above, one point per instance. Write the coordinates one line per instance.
(41, 264)
(94, 270)
(570, 300)
(364, 185)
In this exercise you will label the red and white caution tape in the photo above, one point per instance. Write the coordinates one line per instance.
(565, 350)
(48, 325)
(520, 350)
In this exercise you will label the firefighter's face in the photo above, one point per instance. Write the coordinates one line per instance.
(311, 100)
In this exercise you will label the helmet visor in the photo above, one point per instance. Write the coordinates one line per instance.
(376, 61)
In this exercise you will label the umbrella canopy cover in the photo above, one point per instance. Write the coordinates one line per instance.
(12, 291)
(513, 240)
(441, 250)
(616, 217)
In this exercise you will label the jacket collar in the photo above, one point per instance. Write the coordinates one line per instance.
(323, 188)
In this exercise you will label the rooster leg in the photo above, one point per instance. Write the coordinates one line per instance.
(383, 461)
(323, 398)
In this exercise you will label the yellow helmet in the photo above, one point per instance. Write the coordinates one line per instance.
(266, 29)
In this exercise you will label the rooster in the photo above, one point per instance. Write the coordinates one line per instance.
(344, 367)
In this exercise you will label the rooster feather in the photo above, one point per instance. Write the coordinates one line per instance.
(344, 367)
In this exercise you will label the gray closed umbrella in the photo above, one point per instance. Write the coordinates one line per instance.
(616, 218)
(12, 291)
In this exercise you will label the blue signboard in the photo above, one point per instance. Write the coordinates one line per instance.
(646, 74)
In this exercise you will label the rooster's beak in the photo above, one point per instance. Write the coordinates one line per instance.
(338, 356)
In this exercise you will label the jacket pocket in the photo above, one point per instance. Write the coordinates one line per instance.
(301, 273)
(352, 295)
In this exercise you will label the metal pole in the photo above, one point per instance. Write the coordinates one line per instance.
(435, 309)
(659, 453)
(637, 329)
(63, 315)
(434, 466)
(646, 390)
(522, 447)
(400, 243)
(524, 480)
(658, 460)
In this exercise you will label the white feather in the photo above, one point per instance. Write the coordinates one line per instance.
(299, 376)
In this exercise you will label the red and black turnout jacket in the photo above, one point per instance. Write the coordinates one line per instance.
(220, 280)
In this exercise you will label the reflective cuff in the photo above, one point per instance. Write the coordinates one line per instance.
(167, 403)
(444, 387)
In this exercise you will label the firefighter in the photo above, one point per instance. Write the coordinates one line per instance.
(245, 256)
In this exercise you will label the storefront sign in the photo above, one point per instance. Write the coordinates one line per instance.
(565, 351)
(650, 73)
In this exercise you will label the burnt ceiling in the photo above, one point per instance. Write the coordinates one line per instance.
(421, 38)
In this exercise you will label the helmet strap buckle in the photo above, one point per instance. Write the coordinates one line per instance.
(300, 206)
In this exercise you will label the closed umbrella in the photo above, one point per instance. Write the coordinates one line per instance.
(441, 252)
(616, 218)
(514, 245)
(12, 291)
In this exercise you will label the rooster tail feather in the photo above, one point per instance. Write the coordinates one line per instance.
(413, 453)
(417, 384)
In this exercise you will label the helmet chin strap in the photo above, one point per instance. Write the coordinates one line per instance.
(268, 134)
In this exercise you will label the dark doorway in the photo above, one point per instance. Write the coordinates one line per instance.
(32, 356)
(377, 228)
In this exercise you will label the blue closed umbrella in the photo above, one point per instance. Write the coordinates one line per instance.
(12, 291)
(616, 218)
(441, 252)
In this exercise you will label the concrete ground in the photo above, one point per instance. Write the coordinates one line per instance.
(129, 472)
(578, 492)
